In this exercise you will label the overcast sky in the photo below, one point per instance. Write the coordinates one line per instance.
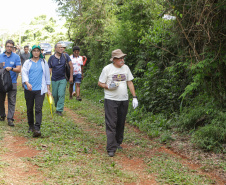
(16, 12)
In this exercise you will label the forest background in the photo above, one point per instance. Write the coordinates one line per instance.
(175, 50)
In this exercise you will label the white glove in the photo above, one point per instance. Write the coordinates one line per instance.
(112, 86)
(135, 103)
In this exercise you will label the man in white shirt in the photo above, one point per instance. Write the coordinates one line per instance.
(115, 78)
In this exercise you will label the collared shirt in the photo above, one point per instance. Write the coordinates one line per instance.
(58, 66)
(24, 57)
(11, 61)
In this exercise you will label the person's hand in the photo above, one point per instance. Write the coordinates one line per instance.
(112, 86)
(135, 103)
(29, 86)
(8, 68)
(49, 92)
(71, 80)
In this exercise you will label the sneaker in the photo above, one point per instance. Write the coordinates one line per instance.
(2, 118)
(59, 113)
(36, 133)
(111, 154)
(78, 98)
(10, 123)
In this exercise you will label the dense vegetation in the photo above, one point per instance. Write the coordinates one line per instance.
(178, 64)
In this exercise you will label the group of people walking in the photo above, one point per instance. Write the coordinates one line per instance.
(36, 72)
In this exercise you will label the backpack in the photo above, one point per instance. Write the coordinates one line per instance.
(67, 67)
(5, 81)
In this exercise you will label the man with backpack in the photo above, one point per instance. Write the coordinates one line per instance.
(57, 67)
(11, 63)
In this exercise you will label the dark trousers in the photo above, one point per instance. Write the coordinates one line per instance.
(11, 102)
(34, 97)
(115, 117)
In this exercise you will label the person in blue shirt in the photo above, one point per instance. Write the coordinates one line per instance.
(36, 81)
(11, 62)
(57, 68)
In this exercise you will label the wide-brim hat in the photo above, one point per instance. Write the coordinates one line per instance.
(34, 47)
(117, 54)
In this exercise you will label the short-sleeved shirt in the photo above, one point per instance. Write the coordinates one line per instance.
(120, 76)
(35, 74)
(12, 61)
(77, 63)
(58, 66)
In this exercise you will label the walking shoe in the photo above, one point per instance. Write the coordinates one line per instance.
(111, 154)
(59, 113)
(36, 133)
(10, 123)
(78, 98)
(2, 118)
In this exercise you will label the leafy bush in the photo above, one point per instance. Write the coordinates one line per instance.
(210, 137)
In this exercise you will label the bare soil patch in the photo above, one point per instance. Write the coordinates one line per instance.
(16, 170)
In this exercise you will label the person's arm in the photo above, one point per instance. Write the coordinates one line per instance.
(71, 72)
(50, 65)
(17, 69)
(131, 88)
(103, 85)
(84, 60)
(25, 72)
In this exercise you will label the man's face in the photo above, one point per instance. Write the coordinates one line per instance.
(26, 50)
(76, 53)
(14, 50)
(36, 53)
(59, 49)
(119, 62)
(9, 48)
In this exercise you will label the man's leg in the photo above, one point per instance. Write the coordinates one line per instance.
(38, 109)
(78, 90)
(122, 111)
(29, 97)
(55, 91)
(2, 106)
(61, 95)
(111, 122)
(12, 102)
(70, 91)
(78, 80)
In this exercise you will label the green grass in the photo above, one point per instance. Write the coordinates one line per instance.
(69, 154)
(171, 171)
(74, 152)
